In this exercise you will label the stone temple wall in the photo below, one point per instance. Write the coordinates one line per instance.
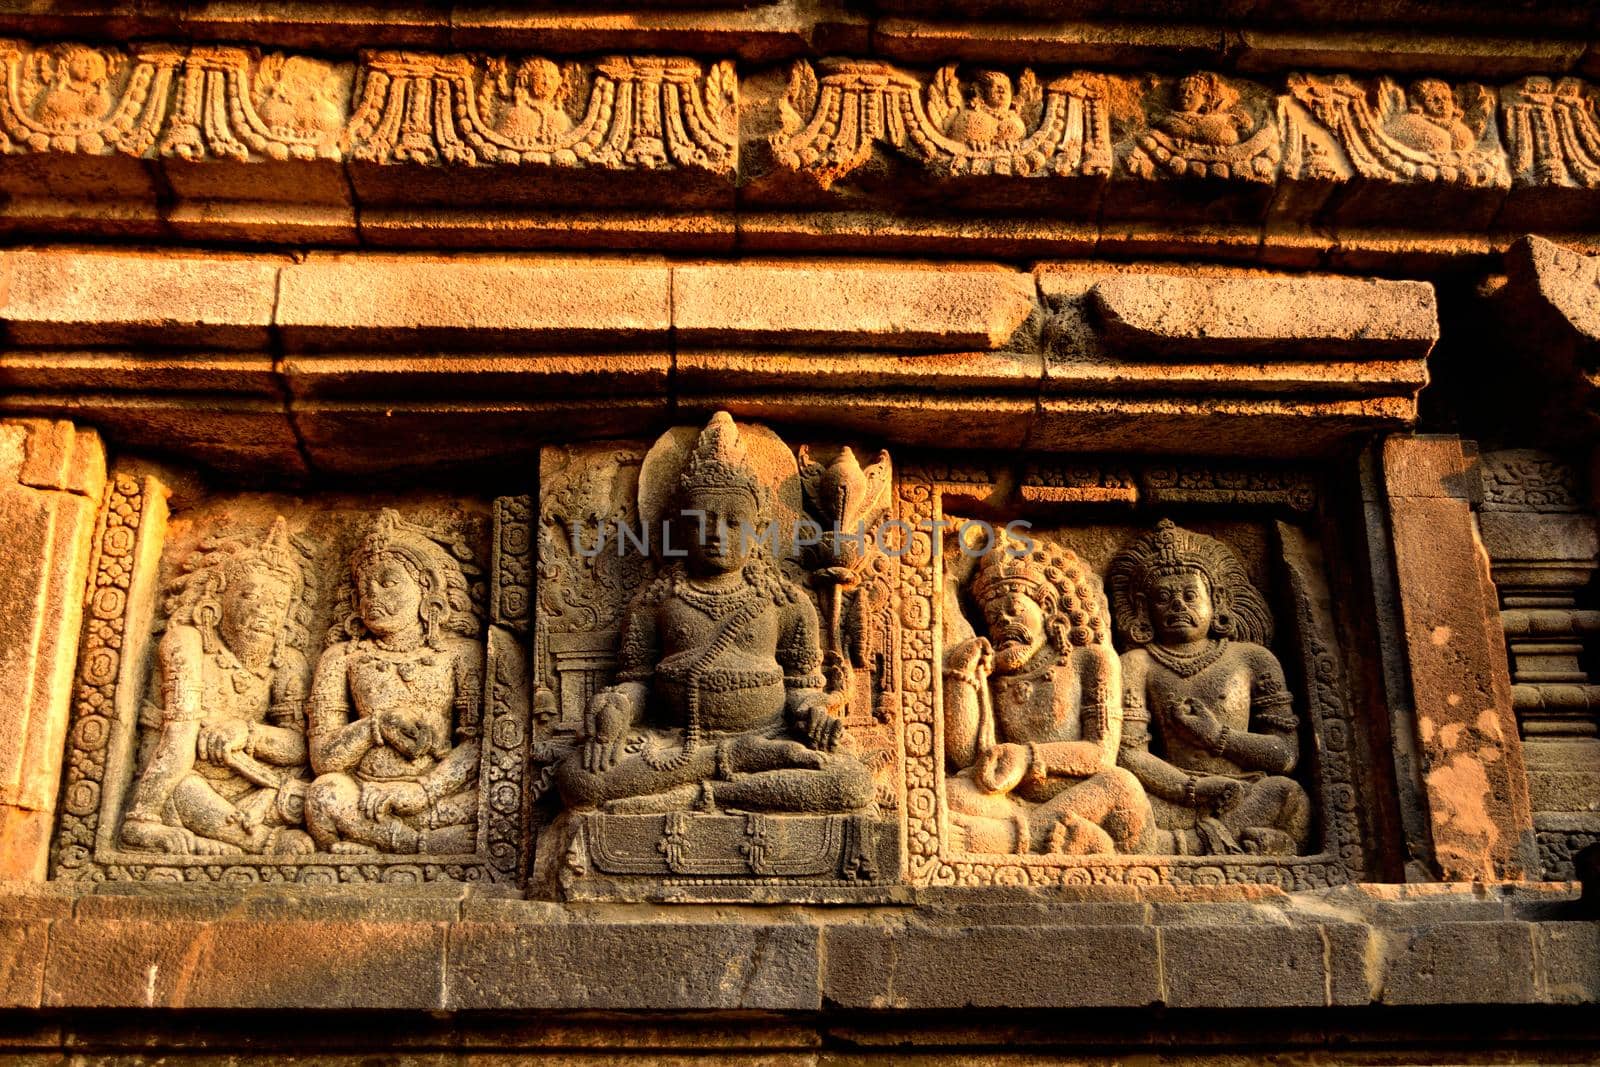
(811, 532)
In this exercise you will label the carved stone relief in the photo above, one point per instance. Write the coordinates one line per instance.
(1035, 754)
(277, 691)
(1544, 549)
(700, 722)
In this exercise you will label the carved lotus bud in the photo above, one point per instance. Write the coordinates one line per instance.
(848, 500)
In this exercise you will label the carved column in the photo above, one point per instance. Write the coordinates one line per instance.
(1475, 782)
(1545, 548)
(51, 479)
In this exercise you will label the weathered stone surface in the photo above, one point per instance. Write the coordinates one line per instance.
(51, 478)
(1472, 754)
(22, 956)
(491, 302)
(1203, 967)
(594, 966)
(850, 306)
(915, 968)
(83, 297)
(1444, 964)
(174, 964)
(1249, 318)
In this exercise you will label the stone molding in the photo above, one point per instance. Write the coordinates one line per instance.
(208, 345)
(466, 948)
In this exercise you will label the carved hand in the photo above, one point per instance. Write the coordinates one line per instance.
(1199, 722)
(1222, 795)
(379, 800)
(973, 659)
(404, 733)
(219, 737)
(816, 724)
(1000, 770)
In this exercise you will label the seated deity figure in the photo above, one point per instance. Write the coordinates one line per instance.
(224, 752)
(395, 703)
(1033, 755)
(719, 701)
(1208, 725)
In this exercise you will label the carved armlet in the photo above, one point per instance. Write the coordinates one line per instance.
(290, 714)
(1275, 712)
(808, 680)
(1097, 717)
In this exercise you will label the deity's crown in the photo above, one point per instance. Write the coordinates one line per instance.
(719, 461)
(1174, 550)
(274, 554)
(1170, 549)
(392, 535)
(1006, 567)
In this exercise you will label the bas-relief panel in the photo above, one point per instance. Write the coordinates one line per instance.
(593, 694)
(1119, 698)
(277, 690)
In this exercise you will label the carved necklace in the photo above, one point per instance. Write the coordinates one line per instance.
(241, 675)
(713, 602)
(1190, 664)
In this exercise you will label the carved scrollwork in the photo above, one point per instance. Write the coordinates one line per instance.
(1431, 132)
(232, 103)
(987, 125)
(1552, 132)
(625, 113)
(84, 99)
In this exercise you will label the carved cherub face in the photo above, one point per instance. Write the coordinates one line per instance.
(994, 89)
(539, 79)
(1016, 628)
(390, 596)
(724, 541)
(255, 604)
(1180, 607)
(1194, 94)
(1435, 100)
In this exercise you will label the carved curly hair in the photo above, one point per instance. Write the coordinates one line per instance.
(1066, 590)
(1239, 610)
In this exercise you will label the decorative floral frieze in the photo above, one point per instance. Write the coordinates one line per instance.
(234, 103)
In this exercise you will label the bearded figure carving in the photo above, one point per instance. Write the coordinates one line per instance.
(223, 754)
(1032, 715)
(1209, 725)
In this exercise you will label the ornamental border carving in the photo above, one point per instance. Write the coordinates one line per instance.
(243, 103)
(930, 857)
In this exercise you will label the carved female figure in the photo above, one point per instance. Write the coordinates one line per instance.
(223, 753)
(1209, 726)
(395, 704)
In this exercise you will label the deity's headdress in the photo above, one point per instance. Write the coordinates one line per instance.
(720, 462)
(1239, 609)
(1056, 579)
(441, 570)
(194, 597)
